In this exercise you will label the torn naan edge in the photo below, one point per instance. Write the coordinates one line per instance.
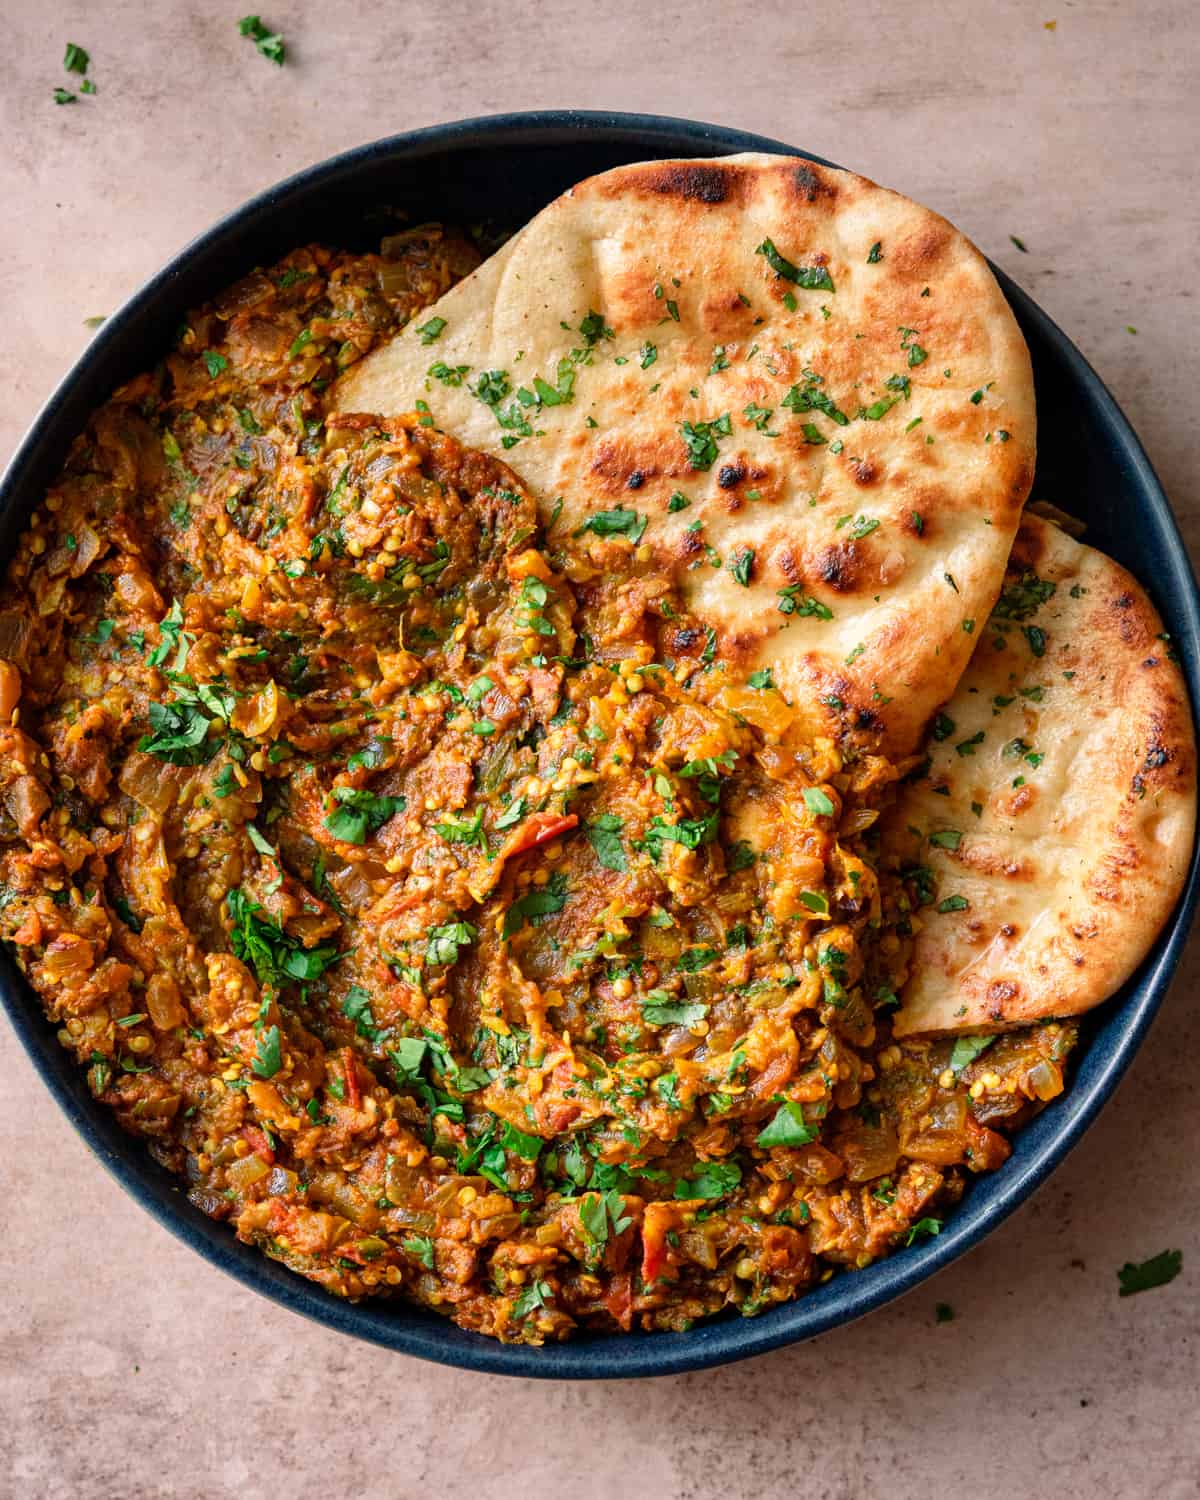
(810, 389)
(1058, 812)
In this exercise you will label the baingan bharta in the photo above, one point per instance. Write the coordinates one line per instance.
(422, 878)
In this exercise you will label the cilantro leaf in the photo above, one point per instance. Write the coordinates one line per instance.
(594, 328)
(691, 833)
(792, 601)
(700, 440)
(597, 1213)
(432, 330)
(810, 397)
(532, 1299)
(526, 1146)
(1023, 599)
(1144, 1276)
(930, 1227)
(360, 813)
(740, 857)
(178, 734)
(269, 43)
(274, 954)
(422, 1247)
(604, 835)
(788, 1128)
(660, 1010)
(268, 1056)
(618, 522)
(966, 1050)
(356, 1007)
(537, 902)
(469, 831)
(742, 566)
(713, 1179)
(443, 943)
(810, 278)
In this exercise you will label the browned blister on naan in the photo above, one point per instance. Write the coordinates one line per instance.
(810, 388)
(1058, 812)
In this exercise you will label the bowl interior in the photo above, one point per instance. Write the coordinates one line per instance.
(498, 172)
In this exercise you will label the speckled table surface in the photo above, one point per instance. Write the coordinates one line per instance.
(130, 1368)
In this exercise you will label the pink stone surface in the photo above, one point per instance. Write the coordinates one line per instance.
(130, 1368)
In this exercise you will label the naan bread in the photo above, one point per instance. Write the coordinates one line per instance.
(824, 373)
(1060, 805)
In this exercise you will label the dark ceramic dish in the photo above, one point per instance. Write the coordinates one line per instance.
(505, 168)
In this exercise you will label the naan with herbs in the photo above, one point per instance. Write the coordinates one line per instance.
(1052, 833)
(797, 394)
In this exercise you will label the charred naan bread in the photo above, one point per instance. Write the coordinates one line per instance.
(806, 394)
(1059, 809)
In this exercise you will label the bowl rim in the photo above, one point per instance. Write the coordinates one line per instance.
(401, 1326)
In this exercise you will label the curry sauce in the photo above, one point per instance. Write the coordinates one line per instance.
(419, 883)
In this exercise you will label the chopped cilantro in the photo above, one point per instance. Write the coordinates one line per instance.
(660, 1010)
(268, 1056)
(966, 1050)
(953, 903)
(269, 43)
(537, 902)
(788, 1128)
(443, 944)
(809, 278)
(618, 522)
(930, 1227)
(604, 835)
(469, 831)
(422, 1247)
(713, 1179)
(431, 331)
(818, 802)
(792, 601)
(594, 328)
(742, 565)
(275, 955)
(356, 1007)
(700, 439)
(360, 813)
(1144, 1276)
(740, 857)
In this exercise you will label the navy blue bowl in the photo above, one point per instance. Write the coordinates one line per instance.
(504, 168)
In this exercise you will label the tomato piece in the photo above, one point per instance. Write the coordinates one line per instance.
(619, 1299)
(258, 1143)
(539, 828)
(350, 1068)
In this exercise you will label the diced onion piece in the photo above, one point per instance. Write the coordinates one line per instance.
(257, 715)
(1045, 1080)
(163, 1003)
(246, 1171)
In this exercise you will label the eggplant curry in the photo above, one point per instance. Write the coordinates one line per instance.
(420, 881)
